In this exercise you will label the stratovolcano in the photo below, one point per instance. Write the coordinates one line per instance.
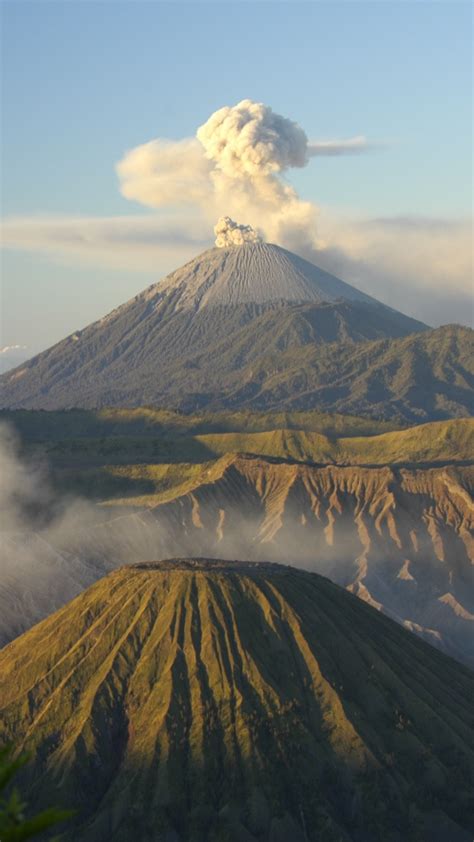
(251, 325)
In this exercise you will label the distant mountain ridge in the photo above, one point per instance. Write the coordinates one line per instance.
(200, 699)
(219, 329)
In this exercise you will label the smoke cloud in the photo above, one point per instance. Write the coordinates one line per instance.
(165, 173)
(234, 166)
(230, 233)
(418, 265)
(249, 140)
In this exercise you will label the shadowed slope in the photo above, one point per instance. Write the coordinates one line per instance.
(207, 701)
(442, 442)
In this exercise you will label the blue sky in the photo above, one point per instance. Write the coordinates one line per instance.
(83, 82)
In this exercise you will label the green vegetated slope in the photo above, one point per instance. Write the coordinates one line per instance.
(210, 700)
(34, 425)
(429, 444)
(442, 441)
(149, 453)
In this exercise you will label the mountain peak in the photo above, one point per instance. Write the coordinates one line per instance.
(232, 306)
(252, 272)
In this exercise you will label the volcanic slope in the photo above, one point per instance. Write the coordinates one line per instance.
(223, 327)
(205, 700)
(400, 538)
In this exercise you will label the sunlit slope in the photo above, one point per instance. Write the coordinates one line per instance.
(194, 701)
(148, 421)
(439, 443)
(401, 538)
(152, 454)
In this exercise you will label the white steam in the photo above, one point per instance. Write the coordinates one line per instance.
(230, 233)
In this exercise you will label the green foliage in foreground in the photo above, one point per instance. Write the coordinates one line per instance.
(14, 826)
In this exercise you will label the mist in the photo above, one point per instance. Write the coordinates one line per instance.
(54, 545)
(341, 522)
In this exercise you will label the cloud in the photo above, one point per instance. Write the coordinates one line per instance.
(134, 243)
(7, 349)
(418, 265)
(165, 173)
(422, 266)
(352, 146)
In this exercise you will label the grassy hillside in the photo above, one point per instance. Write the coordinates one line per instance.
(437, 442)
(197, 700)
(118, 453)
(40, 425)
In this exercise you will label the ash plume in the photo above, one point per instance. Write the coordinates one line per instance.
(235, 165)
(249, 140)
(230, 233)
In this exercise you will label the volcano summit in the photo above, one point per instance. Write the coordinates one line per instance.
(251, 324)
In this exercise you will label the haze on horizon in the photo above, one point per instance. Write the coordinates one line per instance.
(117, 168)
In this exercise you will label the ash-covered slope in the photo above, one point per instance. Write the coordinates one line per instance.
(190, 337)
(193, 700)
(253, 273)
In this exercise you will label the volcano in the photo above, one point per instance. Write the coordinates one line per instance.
(198, 699)
(254, 326)
(231, 316)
